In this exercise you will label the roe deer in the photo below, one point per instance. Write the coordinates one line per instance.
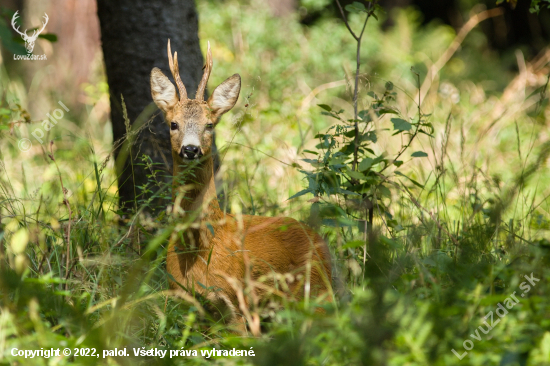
(219, 253)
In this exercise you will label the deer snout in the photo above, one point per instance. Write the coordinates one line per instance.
(190, 152)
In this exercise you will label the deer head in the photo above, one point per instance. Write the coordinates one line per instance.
(192, 121)
(29, 40)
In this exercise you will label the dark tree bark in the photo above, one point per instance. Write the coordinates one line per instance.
(134, 34)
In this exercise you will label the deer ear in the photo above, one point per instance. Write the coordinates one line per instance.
(225, 96)
(163, 91)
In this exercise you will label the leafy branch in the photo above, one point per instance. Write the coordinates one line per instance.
(358, 7)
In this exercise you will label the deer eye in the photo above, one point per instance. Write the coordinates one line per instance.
(209, 126)
(173, 126)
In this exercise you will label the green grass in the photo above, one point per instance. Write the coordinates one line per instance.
(458, 249)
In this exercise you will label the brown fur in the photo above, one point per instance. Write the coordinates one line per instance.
(284, 257)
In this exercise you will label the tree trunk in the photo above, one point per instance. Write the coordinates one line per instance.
(134, 35)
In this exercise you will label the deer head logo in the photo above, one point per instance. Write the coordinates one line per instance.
(29, 40)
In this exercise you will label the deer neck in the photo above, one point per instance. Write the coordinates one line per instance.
(199, 189)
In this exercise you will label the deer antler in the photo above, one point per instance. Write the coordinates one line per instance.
(37, 32)
(205, 76)
(173, 62)
(13, 25)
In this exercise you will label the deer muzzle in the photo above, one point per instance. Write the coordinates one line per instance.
(190, 152)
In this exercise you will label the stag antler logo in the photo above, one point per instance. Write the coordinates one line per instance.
(29, 40)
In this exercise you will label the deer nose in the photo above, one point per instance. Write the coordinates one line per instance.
(190, 152)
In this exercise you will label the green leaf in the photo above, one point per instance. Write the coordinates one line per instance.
(311, 161)
(353, 244)
(350, 133)
(369, 136)
(62, 293)
(336, 160)
(365, 116)
(401, 124)
(301, 193)
(365, 164)
(390, 242)
(389, 85)
(49, 37)
(412, 180)
(211, 250)
(313, 185)
(325, 107)
(344, 191)
(201, 285)
(211, 228)
(387, 111)
(384, 191)
(356, 7)
(419, 154)
(355, 175)
(398, 228)
(311, 152)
